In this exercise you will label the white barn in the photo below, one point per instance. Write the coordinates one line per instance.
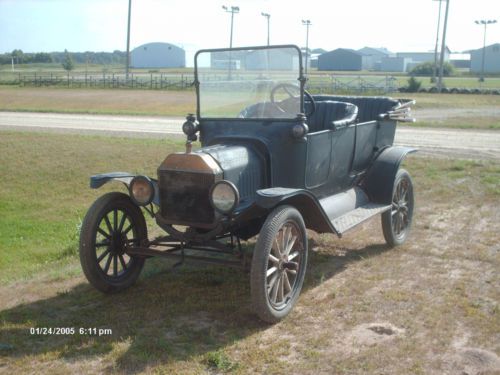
(158, 55)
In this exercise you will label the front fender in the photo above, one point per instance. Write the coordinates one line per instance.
(99, 180)
(379, 180)
(306, 203)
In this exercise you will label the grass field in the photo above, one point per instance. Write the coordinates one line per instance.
(447, 110)
(428, 307)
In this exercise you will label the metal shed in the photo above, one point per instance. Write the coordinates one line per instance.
(343, 59)
(158, 55)
(375, 56)
(491, 59)
(287, 59)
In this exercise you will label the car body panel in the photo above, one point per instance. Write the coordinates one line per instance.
(96, 181)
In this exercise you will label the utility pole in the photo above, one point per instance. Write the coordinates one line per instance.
(443, 47)
(268, 16)
(307, 23)
(485, 23)
(12, 62)
(434, 70)
(231, 10)
(128, 40)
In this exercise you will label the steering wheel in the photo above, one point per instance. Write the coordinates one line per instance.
(289, 89)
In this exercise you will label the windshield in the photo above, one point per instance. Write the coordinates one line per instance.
(249, 83)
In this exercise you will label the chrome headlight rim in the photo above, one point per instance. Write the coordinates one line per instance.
(234, 190)
(143, 179)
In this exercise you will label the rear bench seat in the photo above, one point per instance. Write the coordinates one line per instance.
(369, 108)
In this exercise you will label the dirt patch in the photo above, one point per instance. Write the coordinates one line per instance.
(369, 334)
(467, 360)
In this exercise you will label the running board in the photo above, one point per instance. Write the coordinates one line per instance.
(349, 220)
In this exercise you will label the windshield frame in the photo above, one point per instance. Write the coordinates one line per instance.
(301, 78)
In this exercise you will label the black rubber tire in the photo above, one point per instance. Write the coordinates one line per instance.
(258, 274)
(88, 257)
(391, 237)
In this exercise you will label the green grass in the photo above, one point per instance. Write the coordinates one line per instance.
(450, 101)
(47, 194)
(198, 319)
(483, 123)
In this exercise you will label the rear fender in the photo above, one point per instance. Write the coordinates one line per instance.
(379, 179)
(99, 180)
(314, 216)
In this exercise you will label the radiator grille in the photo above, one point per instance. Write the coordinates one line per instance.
(184, 197)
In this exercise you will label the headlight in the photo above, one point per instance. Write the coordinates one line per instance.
(224, 196)
(141, 190)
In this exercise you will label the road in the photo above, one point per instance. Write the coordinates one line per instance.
(442, 142)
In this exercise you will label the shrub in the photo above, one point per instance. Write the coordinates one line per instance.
(413, 85)
(68, 63)
(427, 69)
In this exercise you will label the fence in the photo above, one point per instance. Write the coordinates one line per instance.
(353, 84)
(150, 81)
(182, 81)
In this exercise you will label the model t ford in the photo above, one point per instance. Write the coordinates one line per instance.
(274, 160)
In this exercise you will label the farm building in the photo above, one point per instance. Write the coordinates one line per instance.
(394, 64)
(460, 60)
(286, 59)
(343, 59)
(224, 59)
(158, 55)
(420, 57)
(375, 56)
(491, 59)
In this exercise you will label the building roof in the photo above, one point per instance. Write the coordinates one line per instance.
(487, 47)
(423, 52)
(375, 51)
(156, 45)
(345, 49)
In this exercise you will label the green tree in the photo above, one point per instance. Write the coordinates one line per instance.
(17, 54)
(67, 63)
(426, 69)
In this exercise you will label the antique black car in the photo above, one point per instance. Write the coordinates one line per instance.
(274, 160)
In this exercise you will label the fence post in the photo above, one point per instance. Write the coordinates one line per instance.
(151, 81)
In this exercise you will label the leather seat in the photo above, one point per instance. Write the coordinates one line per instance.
(369, 108)
(329, 114)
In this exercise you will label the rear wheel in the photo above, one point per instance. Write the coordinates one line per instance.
(279, 264)
(112, 223)
(396, 222)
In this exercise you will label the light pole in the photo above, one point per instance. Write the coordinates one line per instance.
(434, 70)
(443, 47)
(268, 16)
(128, 40)
(485, 23)
(307, 23)
(231, 10)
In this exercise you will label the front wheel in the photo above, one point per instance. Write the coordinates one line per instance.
(112, 223)
(278, 264)
(396, 222)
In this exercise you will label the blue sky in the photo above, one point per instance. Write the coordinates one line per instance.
(100, 25)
